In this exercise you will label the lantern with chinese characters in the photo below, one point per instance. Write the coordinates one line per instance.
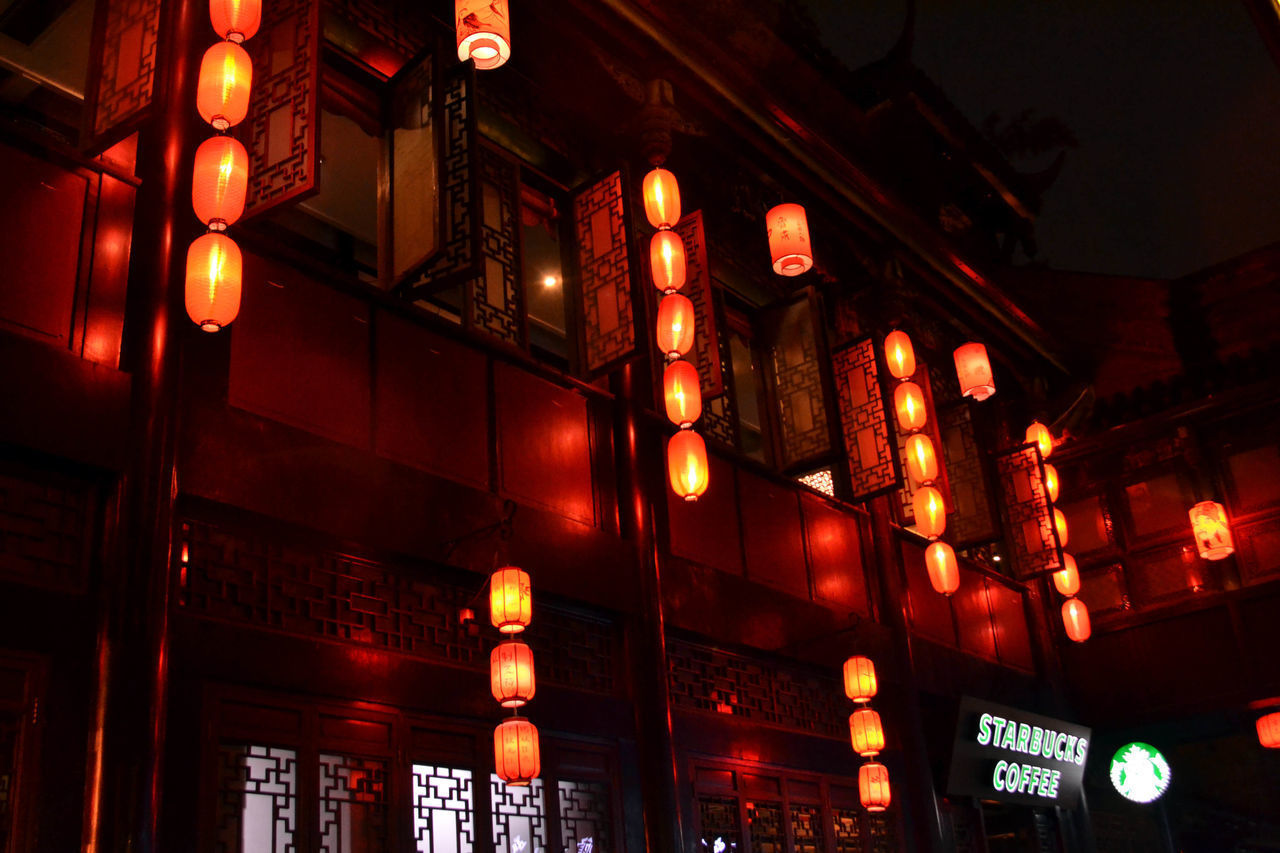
(1067, 578)
(1075, 619)
(222, 92)
(220, 181)
(1060, 524)
(214, 272)
(866, 733)
(859, 678)
(789, 245)
(908, 403)
(873, 786)
(516, 757)
(1039, 435)
(973, 369)
(922, 462)
(687, 467)
(930, 512)
(1051, 481)
(682, 394)
(944, 574)
(675, 325)
(1212, 532)
(661, 199)
(484, 32)
(510, 600)
(1269, 730)
(667, 261)
(235, 20)
(511, 677)
(900, 355)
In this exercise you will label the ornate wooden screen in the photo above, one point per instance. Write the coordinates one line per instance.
(122, 68)
(495, 300)
(1029, 527)
(864, 423)
(600, 217)
(932, 429)
(706, 343)
(800, 388)
(974, 519)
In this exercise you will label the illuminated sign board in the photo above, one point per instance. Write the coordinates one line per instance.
(1139, 772)
(1015, 756)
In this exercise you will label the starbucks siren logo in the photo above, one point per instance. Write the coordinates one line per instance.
(1139, 772)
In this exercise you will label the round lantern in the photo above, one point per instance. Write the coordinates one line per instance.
(789, 239)
(511, 674)
(908, 402)
(235, 20)
(873, 786)
(900, 355)
(510, 600)
(922, 462)
(1269, 731)
(681, 391)
(866, 733)
(220, 181)
(661, 199)
(667, 261)
(973, 369)
(944, 574)
(930, 512)
(222, 93)
(675, 325)
(1213, 534)
(1039, 435)
(1060, 524)
(214, 272)
(484, 32)
(516, 757)
(1067, 578)
(687, 467)
(860, 678)
(1051, 481)
(1075, 619)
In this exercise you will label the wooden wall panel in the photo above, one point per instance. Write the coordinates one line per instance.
(109, 280)
(1009, 616)
(835, 555)
(973, 615)
(772, 534)
(706, 531)
(930, 612)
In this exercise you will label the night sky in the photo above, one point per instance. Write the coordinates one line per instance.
(1176, 108)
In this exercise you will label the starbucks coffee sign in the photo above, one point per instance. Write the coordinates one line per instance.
(1139, 772)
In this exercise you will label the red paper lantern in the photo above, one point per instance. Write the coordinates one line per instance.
(222, 92)
(866, 733)
(484, 32)
(667, 261)
(1075, 619)
(661, 199)
(900, 355)
(687, 467)
(922, 462)
(214, 272)
(675, 325)
(789, 244)
(908, 402)
(1212, 532)
(516, 757)
(944, 573)
(1039, 435)
(1067, 579)
(1051, 481)
(930, 512)
(1269, 730)
(1060, 523)
(860, 678)
(235, 20)
(510, 600)
(511, 678)
(220, 182)
(873, 787)
(682, 392)
(973, 369)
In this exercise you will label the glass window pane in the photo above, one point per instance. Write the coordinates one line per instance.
(518, 822)
(443, 819)
(718, 819)
(584, 817)
(542, 271)
(257, 799)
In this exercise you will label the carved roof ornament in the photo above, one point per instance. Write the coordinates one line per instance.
(658, 118)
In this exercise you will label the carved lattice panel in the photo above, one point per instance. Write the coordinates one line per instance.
(718, 824)
(806, 829)
(767, 832)
(706, 343)
(719, 421)
(604, 266)
(44, 529)
(864, 423)
(883, 832)
(584, 817)
(519, 825)
(257, 807)
(123, 67)
(282, 130)
(797, 377)
(974, 519)
(496, 300)
(931, 428)
(443, 812)
(1029, 528)
(846, 827)
(353, 804)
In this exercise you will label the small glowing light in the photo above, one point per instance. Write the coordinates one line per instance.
(550, 281)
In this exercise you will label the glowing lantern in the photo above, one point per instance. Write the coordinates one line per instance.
(1051, 481)
(516, 757)
(900, 355)
(484, 32)
(510, 600)
(687, 464)
(789, 239)
(922, 462)
(973, 369)
(667, 261)
(220, 182)
(1269, 731)
(1060, 523)
(661, 199)
(235, 20)
(1075, 618)
(222, 93)
(680, 388)
(930, 512)
(866, 732)
(1213, 534)
(1039, 435)
(675, 325)
(214, 271)
(859, 678)
(511, 674)
(873, 786)
(908, 402)
(944, 574)
(1067, 578)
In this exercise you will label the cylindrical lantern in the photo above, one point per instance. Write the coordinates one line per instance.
(973, 369)
(866, 733)
(1060, 524)
(789, 244)
(222, 93)
(873, 786)
(922, 462)
(214, 271)
(516, 757)
(1269, 730)
(1212, 532)
(510, 600)
(484, 32)
(1051, 481)
(1039, 435)
(930, 512)
(944, 574)
(675, 325)
(908, 402)
(667, 261)
(860, 678)
(661, 199)
(1067, 578)
(1075, 618)
(687, 464)
(680, 388)
(235, 20)
(511, 677)
(900, 355)
(219, 182)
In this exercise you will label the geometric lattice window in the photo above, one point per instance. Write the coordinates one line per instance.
(584, 816)
(847, 825)
(806, 829)
(820, 480)
(718, 818)
(519, 825)
(443, 820)
(767, 834)
(257, 799)
(353, 804)
(883, 832)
